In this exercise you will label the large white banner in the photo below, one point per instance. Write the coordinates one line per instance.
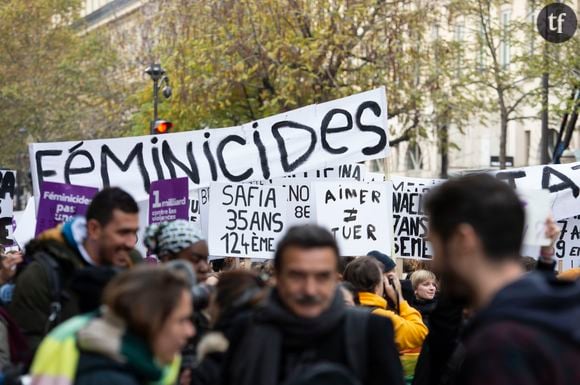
(358, 215)
(561, 180)
(346, 130)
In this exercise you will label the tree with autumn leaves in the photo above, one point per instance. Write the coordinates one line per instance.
(56, 81)
(236, 61)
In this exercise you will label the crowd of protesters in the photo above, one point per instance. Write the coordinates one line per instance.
(82, 307)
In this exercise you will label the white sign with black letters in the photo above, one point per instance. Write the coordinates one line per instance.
(409, 219)
(7, 189)
(561, 180)
(358, 215)
(245, 220)
(346, 130)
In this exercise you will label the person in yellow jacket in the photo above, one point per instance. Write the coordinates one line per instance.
(366, 274)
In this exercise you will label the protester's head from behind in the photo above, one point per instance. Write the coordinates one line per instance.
(424, 284)
(387, 262)
(155, 305)
(237, 290)
(344, 261)
(306, 265)
(112, 225)
(179, 240)
(366, 275)
(476, 227)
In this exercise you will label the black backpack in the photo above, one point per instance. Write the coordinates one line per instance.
(57, 296)
(321, 373)
(324, 373)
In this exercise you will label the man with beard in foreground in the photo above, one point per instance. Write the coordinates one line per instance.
(305, 334)
(525, 327)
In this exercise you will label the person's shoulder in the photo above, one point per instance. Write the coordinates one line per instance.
(107, 376)
(55, 246)
(374, 323)
(32, 275)
(503, 336)
(95, 369)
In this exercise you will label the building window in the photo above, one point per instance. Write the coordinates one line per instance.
(459, 36)
(505, 54)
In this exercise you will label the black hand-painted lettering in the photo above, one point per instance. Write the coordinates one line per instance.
(68, 170)
(566, 182)
(510, 176)
(263, 156)
(171, 161)
(40, 172)
(157, 163)
(210, 159)
(376, 109)
(286, 165)
(8, 184)
(350, 215)
(325, 130)
(226, 192)
(136, 153)
(371, 229)
(220, 155)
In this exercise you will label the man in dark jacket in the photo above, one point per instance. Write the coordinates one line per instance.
(106, 237)
(305, 330)
(525, 327)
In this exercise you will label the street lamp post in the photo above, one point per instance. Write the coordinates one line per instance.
(158, 75)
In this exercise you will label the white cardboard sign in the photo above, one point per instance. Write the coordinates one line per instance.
(245, 220)
(358, 215)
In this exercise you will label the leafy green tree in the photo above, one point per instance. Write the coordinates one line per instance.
(508, 59)
(235, 61)
(56, 82)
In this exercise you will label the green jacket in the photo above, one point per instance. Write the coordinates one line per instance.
(30, 306)
(31, 300)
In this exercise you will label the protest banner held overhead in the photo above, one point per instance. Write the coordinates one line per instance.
(7, 189)
(245, 220)
(60, 202)
(346, 130)
(358, 215)
(561, 180)
(169, 200)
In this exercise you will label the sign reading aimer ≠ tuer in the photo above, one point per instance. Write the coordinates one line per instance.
(358, 215)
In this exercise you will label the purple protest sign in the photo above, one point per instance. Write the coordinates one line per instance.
(168, 200)
(59, 202)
